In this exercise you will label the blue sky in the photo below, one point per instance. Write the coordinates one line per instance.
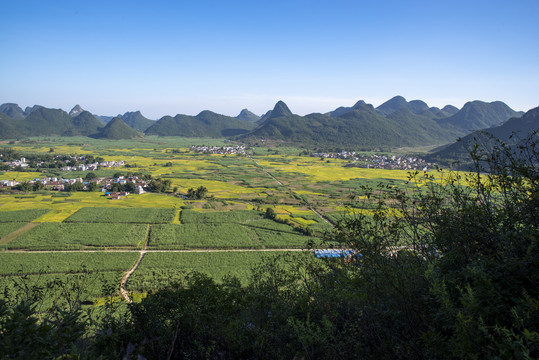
(170, 57)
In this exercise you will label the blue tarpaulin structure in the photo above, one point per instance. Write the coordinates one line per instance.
(333, 253)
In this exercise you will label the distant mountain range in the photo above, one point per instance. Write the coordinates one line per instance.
(395, 123)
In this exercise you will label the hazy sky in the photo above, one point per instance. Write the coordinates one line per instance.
(170, 57)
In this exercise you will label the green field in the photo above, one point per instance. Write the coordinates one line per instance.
(21, 215)
(119, 215)
(8, 227)
(84, 275)
(207, 236)
(165, 268)
(70, 236)
(225, 236)
(238, 217)
(36, 263)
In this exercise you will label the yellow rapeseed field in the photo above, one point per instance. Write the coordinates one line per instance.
(20, 176)
(335, 171)
(63, 207)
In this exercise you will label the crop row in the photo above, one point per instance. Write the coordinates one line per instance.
(160, 269)
(62, 236)
(239, 216)
(36, 263)
(6, 228)
(223, 236)
(255, 234)
(21, 215)
(122, 215)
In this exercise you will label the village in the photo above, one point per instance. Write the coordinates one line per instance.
(115, 187)
(80, 163)
(379, 161)
(223, 150)
(110, 185)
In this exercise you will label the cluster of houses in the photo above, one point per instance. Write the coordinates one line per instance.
(105, 185)
(8, 183)
(22, 163)
(219, 149)
(117, 195)
(378, 161)
(392, 162)
(339, 155)
(16, 163)
(93, 166)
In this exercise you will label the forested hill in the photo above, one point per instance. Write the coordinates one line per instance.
(205, 124)
(417, 107)
(43, 121)
(136, 120)
(12, 110)
(247, 115)
(117, 129)
(477, 115)
(513, 133)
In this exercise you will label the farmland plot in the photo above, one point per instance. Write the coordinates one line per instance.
(122, 215)
(228, 229)
(202, 236)
(54, 289)
(272, 239)
(6, 228)
(239, 217)
(69, 236)
(87, 275)
(159, 269)
(21, 215)
(36, 263)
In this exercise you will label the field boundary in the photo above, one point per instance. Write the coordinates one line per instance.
(148, 250)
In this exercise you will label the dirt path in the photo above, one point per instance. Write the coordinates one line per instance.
(123, 283)
(14, 234)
